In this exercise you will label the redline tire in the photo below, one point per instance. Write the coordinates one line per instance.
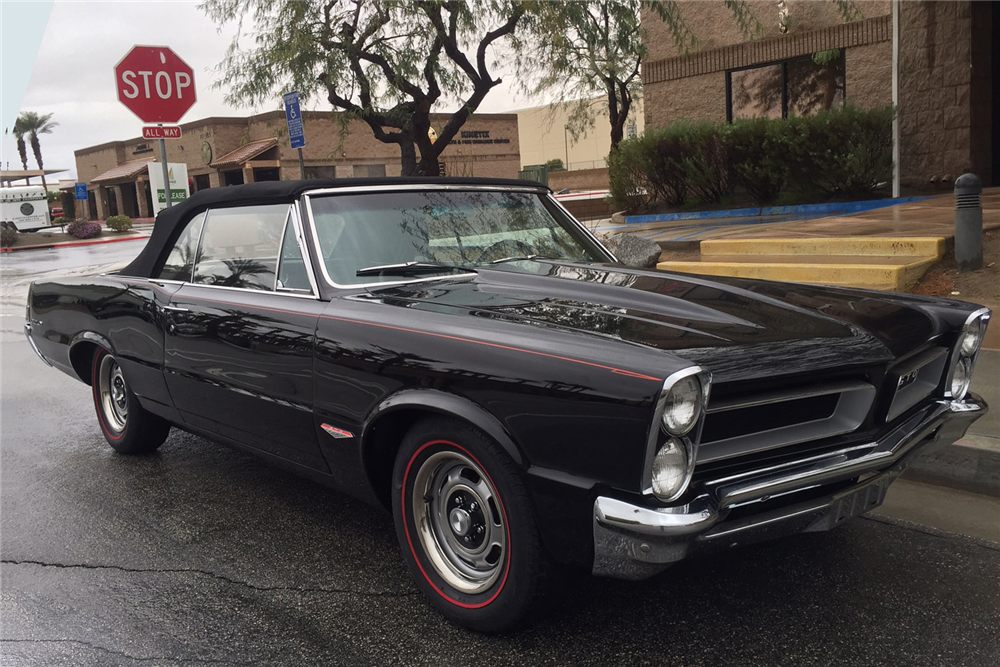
(127, 427)
(448, 480)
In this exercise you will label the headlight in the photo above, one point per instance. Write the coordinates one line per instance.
(682, 406)
(972, 336)
(670, 469)
(961, 377)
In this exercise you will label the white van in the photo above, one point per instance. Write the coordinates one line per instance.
(25, 208)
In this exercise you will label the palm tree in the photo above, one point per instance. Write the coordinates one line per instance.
(22, 150)
(33, 124)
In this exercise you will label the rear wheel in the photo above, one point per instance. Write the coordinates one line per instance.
(127, 427)
(465, 526)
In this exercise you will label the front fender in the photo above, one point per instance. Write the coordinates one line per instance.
(447, 404)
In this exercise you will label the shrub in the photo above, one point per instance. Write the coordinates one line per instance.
(59, 220)
(83, 229)
(119, 223)
(708, 170)
(628, 172)
(8, 237)
(758, 150)
(841, 153)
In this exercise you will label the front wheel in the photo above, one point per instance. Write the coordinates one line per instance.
(466, 527)
(127, 427)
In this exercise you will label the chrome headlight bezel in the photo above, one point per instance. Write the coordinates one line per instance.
(660, 435)
(965, 353)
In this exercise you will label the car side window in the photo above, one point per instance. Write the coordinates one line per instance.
(239, 247)
(180, 263)
(292, 274)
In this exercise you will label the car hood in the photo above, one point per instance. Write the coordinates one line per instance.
(735, 327)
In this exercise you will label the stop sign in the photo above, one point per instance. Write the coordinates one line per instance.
(155, 84)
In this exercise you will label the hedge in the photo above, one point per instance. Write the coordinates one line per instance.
(843, 153)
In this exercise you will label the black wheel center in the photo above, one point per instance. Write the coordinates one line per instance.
(466, 519)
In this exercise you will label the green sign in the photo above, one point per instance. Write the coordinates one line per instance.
(175, 196)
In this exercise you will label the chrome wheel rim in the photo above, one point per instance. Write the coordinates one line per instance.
(459, 521)
(113, 393)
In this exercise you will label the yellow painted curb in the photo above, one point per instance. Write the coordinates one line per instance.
(897, 246)
(868, 276)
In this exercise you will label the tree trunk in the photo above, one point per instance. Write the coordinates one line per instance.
(429, 165)
(619, 115)
(408, 158)
(36, 148)
(22, 151)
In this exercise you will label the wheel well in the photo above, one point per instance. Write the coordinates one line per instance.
(80, 356)
(385, 436)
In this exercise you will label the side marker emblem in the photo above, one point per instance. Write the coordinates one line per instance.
(337, 432)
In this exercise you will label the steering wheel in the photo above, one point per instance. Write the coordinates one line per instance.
(503, 249)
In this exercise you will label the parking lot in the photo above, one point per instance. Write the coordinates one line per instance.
(201, 555)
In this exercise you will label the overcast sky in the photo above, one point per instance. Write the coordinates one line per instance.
(73, 76)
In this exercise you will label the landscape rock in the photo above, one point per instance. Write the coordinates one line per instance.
(633, 250)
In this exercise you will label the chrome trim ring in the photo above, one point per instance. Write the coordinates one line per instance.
(459, 522)
(113, 392)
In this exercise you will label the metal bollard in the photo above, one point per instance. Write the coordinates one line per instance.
(968, 223)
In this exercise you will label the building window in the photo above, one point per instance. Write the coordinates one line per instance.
(798, 87)
(325, 171)
(369, 171)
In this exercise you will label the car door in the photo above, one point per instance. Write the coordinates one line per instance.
(241, 331)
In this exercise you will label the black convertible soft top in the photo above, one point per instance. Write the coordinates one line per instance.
(170, 222)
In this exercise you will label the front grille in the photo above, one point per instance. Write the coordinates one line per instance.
(770, 420)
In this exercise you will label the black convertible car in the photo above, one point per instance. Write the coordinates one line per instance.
(467, 355)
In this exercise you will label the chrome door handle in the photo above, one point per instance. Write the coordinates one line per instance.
(175, 309)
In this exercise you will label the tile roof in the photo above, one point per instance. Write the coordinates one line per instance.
(244, 153)
(126, 170)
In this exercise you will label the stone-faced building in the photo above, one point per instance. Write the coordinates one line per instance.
(230, 151)
(809, 58)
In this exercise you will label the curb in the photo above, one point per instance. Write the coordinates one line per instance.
(831, 209)
(73, 244)
(961, 467)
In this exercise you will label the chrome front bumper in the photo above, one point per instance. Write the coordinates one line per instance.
(635, 541)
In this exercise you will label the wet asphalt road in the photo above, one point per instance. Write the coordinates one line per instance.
(201, 555)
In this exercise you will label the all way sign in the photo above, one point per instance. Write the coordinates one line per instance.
(161, 132)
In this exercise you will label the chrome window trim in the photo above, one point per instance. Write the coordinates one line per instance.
(253, 291)
(690, 440)
(300, 238)
(399, 187)
(291, 213)
(197, 248)
(293, 217)
(582, 227)
(410, 187)
(281, 247)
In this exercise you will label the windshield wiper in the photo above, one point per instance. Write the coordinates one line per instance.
(409, 269)
(515, 258)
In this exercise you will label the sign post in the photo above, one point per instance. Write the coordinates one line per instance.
(296, 133)
(81, 195)
(166, 170)
(158, 87)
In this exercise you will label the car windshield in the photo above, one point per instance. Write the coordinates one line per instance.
(389, 236)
